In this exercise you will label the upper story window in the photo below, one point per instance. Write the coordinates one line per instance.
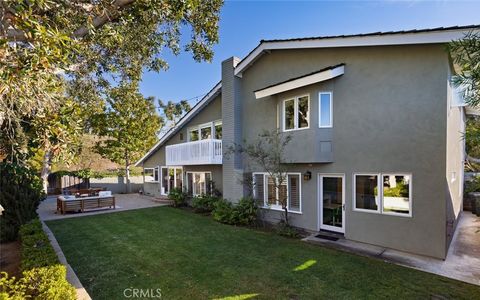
(205, 131)
(325, 111)
(296, 113)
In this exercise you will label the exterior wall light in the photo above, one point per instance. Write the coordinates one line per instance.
(307, 175)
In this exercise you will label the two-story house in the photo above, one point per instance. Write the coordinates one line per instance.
(377, 150)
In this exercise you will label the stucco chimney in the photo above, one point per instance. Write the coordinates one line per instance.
(232, 131)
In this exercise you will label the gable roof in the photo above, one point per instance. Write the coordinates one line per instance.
(215, 91)
(438, 35)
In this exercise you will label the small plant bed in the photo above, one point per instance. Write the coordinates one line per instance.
(189, 256)
(42, 277)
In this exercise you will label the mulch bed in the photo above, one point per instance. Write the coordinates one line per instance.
(10, 258)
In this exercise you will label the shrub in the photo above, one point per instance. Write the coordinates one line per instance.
(204, 203)
(43, 277)
(177, 196)
(20, 194)
(243, 213)
(286, 230)
(473, 185)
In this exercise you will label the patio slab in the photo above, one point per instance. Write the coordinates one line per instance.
(47, 208)
(462, 262)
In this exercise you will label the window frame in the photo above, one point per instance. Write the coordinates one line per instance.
(193, 176)
(154, 169)
(354, 190)
(198, 129)
(265, 192)
(295, 113)
(410, 198)
(182, 176)
(380, 208)
(320, 109)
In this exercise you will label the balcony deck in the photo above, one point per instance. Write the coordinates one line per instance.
(204, 152)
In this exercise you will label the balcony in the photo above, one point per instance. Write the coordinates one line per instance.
(204, 152)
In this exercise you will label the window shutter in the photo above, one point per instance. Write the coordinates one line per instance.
(294, 192)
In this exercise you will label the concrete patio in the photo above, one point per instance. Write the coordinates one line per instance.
(462, 262)
(47, 208)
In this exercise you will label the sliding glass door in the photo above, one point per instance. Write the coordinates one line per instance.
(172, 177)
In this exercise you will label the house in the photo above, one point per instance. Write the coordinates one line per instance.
(373, 118)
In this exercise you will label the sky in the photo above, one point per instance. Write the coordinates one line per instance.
(244, 23)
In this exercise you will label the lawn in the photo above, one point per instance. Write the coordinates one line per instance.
(189, 256)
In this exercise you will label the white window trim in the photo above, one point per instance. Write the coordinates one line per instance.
(320, 109)
(380, 209)
(265, 192)
(409, 215)
(295, 113)
(354, 194)
(199, 127)
(151, 181)
(174, 178)
(193, 174)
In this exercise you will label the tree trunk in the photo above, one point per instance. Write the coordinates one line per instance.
(286, 215)
(127, 173)
(46, 168)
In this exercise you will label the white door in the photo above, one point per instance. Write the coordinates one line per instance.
(331, 202)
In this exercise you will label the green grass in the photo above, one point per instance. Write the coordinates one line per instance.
(189, 256)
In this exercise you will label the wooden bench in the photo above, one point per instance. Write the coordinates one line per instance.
(65, 204)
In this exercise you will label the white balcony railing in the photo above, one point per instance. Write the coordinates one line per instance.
(204, 152)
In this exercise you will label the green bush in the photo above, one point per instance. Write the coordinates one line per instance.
(243, 213)
(177, 196)
(286, 230)
(204, 203)
(20, 194)
(223, 212)
(43, 277)
(473, 185)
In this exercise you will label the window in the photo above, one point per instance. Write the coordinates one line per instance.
(199, 183)
(171, 177)
(396, 194)
(296, 113)
(264, 191)
(366, 192)
(205, 131)
(325, 110)
(390, 192)
(218, 130)
(150, 174)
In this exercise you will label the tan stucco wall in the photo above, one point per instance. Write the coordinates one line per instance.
(389, 115)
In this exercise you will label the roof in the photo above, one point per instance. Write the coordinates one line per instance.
(215, 91)
(437, 35)
(292, 83)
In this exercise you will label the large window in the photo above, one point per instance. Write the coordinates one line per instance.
(296, 113)
(325, 114)
(171, 177)
(289, 190)
(150, 174)
(205, 131)
(199, 183)
(383, 193)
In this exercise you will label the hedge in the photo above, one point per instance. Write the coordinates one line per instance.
(43, 277)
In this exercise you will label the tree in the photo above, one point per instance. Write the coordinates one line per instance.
(267, 152)
(94, 43)
(130, 124)
(173, 111)
(465, 53)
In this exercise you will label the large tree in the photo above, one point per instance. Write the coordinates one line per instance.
(95, 43)
(465, 53)
(130, 124)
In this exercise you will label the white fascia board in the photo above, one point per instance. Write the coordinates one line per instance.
(307, 80)
(431, 37)
(182, 122)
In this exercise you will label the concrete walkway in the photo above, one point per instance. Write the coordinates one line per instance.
(47, 211)
(462, 262)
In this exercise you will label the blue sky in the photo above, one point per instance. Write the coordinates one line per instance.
(244, 23)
